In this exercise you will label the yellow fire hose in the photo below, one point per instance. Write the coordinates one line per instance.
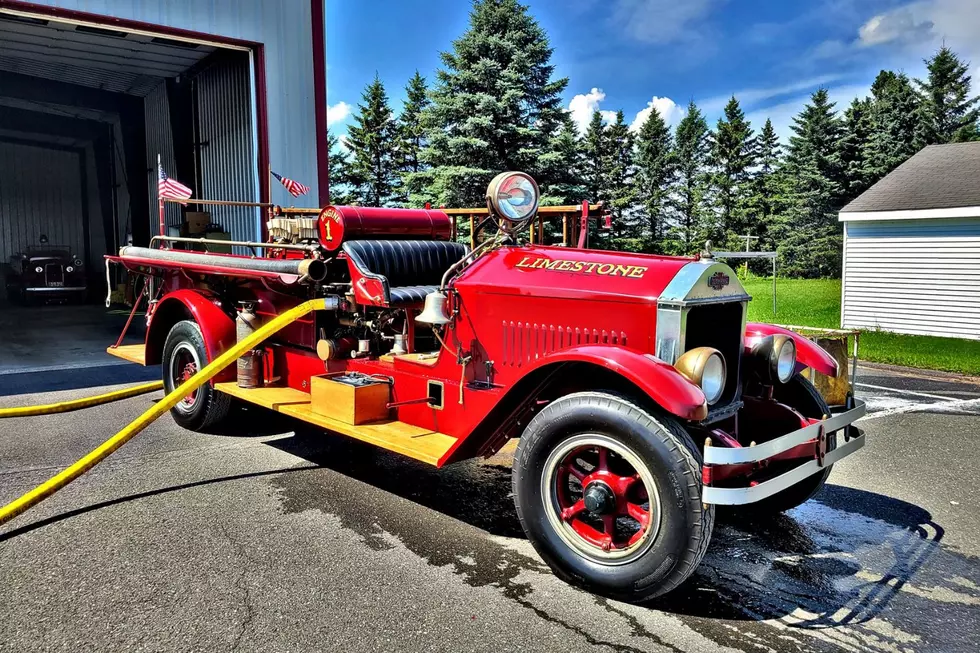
(96, 456)
(77, 404)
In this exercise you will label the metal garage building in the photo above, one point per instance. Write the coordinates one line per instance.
(92, 92)
(912, 247)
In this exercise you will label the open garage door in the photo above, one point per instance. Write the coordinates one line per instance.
(84, 111)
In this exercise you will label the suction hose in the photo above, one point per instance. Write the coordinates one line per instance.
(55, 483)
(78, 404)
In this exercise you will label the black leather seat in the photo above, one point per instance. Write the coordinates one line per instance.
(408, 269)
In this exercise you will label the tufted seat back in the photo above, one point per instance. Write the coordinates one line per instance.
(410, 268)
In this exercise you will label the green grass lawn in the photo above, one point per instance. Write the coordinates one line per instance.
(816, 303)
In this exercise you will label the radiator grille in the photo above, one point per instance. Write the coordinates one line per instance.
(525, 342)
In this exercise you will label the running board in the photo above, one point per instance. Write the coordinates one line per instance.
(412, 441)
(132, 353)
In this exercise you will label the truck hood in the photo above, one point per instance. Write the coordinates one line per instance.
(599, 275)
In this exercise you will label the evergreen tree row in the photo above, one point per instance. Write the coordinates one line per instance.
(496, 106)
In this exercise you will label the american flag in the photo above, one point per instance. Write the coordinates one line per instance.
(294, 187)
(168, 188)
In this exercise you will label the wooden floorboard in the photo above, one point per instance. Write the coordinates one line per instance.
(412, 441)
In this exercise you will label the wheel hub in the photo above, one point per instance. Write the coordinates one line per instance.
(599, 498)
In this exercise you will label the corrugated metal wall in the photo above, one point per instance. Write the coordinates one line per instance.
(284, 29)
(227, 153)
(156, 110)
(913, 276)
(40, 193)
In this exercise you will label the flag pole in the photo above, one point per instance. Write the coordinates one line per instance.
(163, 226)
(268, 178)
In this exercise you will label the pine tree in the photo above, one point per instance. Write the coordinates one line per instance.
(411, 134)
(951, 115)
(768, 187)
(621, 189)
(897, 127)
(733, 154)
(654, 176)
(809, 233)
(372, 140)
(853, 146)
(691, 149)
(495, 106)
(339, 174)
(597, 151)
(561, 166)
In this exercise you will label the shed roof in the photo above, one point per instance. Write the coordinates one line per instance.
(938, 177)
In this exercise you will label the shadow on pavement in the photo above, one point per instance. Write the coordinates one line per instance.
(19, 383)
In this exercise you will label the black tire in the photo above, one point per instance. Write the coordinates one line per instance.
(800, 395)
(673, 461)
(209, 406)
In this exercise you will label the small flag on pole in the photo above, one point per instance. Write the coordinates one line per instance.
(168, 188)
(294, 187)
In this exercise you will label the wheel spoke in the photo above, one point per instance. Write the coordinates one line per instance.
(609, 528)
(639, 514)
(570, 468)
(603, 459)
(569, 514)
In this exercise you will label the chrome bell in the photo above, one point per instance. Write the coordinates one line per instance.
(434, 312)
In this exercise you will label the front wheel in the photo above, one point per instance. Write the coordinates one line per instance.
(610, 496)
(184, 354)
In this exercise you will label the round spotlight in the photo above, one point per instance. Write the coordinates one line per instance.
(69, 269)
(513, 196)
(705, 367)
(39, 269)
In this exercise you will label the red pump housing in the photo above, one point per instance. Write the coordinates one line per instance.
(341, 223)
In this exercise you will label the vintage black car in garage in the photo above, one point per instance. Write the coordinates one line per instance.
(46, 274)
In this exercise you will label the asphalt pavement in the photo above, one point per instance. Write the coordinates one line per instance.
(271, 536)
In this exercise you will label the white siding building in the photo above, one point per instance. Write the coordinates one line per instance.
(912, 247)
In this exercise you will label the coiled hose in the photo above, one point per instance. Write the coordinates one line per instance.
(93, 458)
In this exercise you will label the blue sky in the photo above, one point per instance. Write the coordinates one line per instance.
(637, 55)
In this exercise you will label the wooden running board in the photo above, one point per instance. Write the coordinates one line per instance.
(412, 441)
(131, 353)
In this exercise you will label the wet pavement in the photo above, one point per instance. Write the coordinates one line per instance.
(261, 540)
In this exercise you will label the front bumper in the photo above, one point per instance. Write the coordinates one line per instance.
(849, 440)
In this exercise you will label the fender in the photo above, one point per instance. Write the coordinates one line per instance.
(808, 353)
(216, 326)
(660, 381)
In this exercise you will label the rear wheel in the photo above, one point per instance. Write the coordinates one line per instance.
(184, 354)
(610, 496)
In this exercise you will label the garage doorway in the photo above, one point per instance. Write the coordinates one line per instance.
(85, 110)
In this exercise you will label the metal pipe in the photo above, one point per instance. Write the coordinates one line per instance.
(311, 267)
(239, 243)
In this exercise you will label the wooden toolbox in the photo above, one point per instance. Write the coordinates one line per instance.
(349, 399)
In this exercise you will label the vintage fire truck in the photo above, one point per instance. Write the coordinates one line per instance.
(640, 396)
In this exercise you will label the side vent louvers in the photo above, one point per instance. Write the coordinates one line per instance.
(525, 342)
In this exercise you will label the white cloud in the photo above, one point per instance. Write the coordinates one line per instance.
(667, 108)
(907, 24)
(659, 21)
(584, 105)
(337, 113)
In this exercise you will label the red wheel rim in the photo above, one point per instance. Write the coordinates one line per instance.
(598, 495)
(183, 365)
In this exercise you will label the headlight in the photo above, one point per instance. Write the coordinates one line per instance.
(513, 196)
(39, 269)
(78, 262)
(69, 269)
(775, 358)
(704, 367)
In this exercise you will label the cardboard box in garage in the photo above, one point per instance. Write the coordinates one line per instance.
(197, 221)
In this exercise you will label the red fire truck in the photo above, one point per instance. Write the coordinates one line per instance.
(641, 397)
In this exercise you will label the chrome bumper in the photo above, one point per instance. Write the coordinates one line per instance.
(848, 441)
